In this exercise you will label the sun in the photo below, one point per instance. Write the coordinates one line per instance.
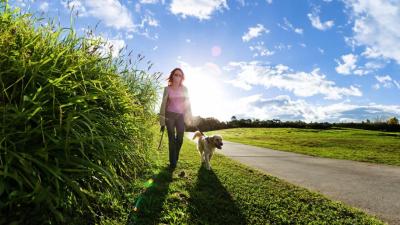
(206, 92)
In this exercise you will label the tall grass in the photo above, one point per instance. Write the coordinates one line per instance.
(76, 126)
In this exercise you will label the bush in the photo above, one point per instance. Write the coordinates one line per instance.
(76, 126)
(393, 121)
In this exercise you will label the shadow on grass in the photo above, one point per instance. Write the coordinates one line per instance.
(151, 201)
(211, 203)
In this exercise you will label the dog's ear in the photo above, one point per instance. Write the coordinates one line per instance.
(211, 139)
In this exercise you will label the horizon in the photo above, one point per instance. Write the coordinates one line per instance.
(309, 60)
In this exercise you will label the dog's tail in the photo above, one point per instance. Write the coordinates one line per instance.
(197, 134)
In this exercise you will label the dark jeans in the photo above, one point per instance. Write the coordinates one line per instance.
(174, 120)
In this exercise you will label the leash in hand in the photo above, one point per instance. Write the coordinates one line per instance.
(162, 134)
(200, 131)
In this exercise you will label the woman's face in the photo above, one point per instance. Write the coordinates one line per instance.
(177, 77)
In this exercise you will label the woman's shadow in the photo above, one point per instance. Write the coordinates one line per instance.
(149, 204)
(211, 203)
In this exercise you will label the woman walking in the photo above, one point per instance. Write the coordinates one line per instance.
(175, 111)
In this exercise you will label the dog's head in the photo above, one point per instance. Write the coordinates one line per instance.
(217, 141)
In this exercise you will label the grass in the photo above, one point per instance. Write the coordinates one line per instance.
(76, 128)
(232, 193)
(339, 143)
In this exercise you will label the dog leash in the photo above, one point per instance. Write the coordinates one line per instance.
(202, 134)
(200, 131)
(162, 134)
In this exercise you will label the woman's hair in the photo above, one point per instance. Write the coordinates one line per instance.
(171, 76)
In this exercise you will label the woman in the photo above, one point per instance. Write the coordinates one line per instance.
(175, 111)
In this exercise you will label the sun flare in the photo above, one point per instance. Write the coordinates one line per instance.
(206, 91)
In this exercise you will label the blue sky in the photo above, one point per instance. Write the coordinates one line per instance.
(310, 60)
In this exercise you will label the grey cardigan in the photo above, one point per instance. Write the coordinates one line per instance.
(188, 110)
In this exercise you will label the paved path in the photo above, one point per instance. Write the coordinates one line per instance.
(370, 187)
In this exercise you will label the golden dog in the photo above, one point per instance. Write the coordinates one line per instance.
(206, 146)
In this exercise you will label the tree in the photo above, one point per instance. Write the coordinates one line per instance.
(393, 121)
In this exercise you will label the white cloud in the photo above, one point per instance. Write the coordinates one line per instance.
(281, 46)
(200, 9)
(397, 84)
(301, 84)
(114, 14)
(149, 20)
(269, 1)
(148, 1)
(361, 72)
(279, 107)
(298, 30)
(348, 65)
(76, 6)
(316, 22)
(44, 6)
(288, 26)
(386, 81)
(109, 46)
(374, 65)
(260, 50)
(371, 53)
(227, 102)
(254, 32)
(137, 7)
(241, 2)
(284, 108)
(111, 12)
(377, 27)
(383, 79)
(115, 45)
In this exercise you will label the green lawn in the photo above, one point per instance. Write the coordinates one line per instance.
(232, 193)
(351, 144)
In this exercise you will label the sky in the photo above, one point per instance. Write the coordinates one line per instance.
(309, 60)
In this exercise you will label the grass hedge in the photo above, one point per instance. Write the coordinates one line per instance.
(77, 126)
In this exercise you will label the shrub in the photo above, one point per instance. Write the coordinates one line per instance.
(76, 126)
(393, 121)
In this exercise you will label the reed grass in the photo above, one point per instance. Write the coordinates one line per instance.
(77, 126)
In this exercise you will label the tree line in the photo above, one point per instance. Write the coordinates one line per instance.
(211, 123)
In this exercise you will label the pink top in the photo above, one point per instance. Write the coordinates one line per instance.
(176, 100)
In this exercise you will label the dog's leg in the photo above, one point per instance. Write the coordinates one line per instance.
(211, 154)
(209, 160)
(208, 166)
(203, 157)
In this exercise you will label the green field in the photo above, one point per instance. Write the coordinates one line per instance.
(338, 143)
(232, 193)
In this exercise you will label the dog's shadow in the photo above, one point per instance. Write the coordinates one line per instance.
(152, 200)
(211, 203)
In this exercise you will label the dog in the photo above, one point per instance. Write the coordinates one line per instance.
(206, 146)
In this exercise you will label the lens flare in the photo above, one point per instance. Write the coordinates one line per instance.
(149, 183)
(216, 51)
